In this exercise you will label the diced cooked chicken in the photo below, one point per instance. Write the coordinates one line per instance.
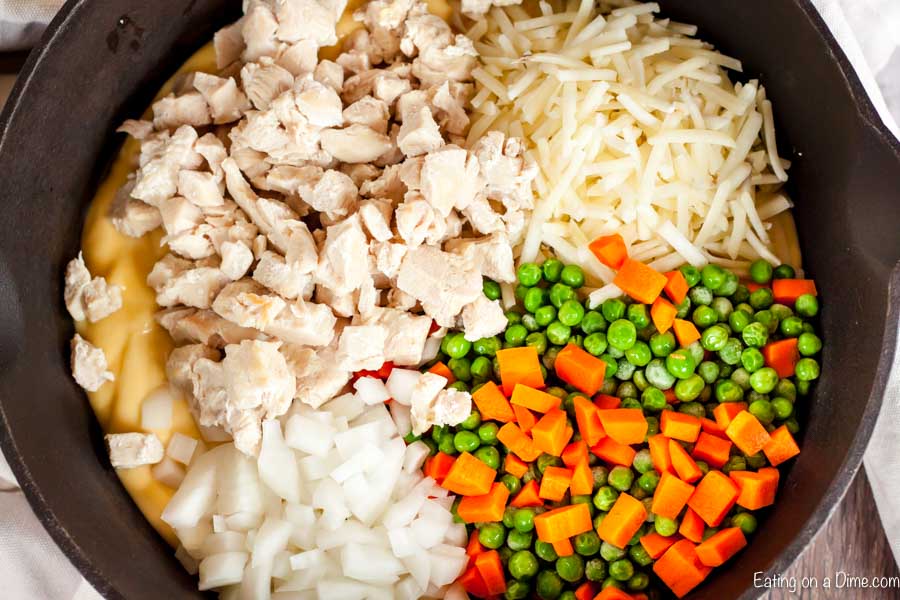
(376, 216)
(449, 102)
(368, 111)
(228, 44)
(507, 177)
(174, 111)
(474, 8)
(200, 188)
(492, 255)
(300, 58)
(389, 86)
(226, 102)
(236, 259)
(455, 62)
(258, 31)
(264, 81)
(388, 257)
(483, 318)
(482, 216)
(87, 298)
(416, 220)
(319, 375)
(179, 215)
(298, 245)
(343, 259)
(166, 155)
(213, 152)
(449, 179)
(388, 185)
(181, 360)
(385, 14)
(131, 450)
(330, 192)
(400, 299)
(137, 129)
(406, 334)
(424, 30)
(419, 133)
(355, 61)
(362, 347)
(343, 305)
(444, 283)
(195, 287)
(329, 73)
(89, 365)
(434, 405)
(355, 144)
(248, 304)
(189, 325)
(282, 277)
(303, 323)
(319, 103)
(307, 20)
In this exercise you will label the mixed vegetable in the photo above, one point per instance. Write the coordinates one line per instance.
(629, 443)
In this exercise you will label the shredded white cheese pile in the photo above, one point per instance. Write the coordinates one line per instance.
(636, 129)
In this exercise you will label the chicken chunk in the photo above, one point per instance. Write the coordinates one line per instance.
(165, 156)
(307, 20)
(492, 255)
(355, 144)
(131, 450)
(406, 334)
(389, 86)
(436, 64)
(376, 216)
(319, 103)
(200, 188)
(419, 133)
(87, 298)
(89, 365)
(195, 287)
(179, 215)
(434, 405)
(228, 43)
(131, 217)
(190, 325)
(444, 283)
(330, 192)
(173, 111)
(388, 257)
(300, 58)
(507, 176)
(258, 30)
(368, 111)
(248, 304)
(483, 318)
(303, 323)
(329, 73)
(181, 361)
(319, 375)
(283, 278)
(343, 259)
(449, 179)
(226, 102)
(138, 129)
(264, 81)
(236, 259)
(362, 347)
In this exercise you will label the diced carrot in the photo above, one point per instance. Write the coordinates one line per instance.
(469, 476)
(712, 450)
(781, 446)
(659, 453)
(610, 250)
(524, 417)
(580, 369)
(443, 370)
(582, 479)
(492, 404)
(747, 433)
(686, 332)
(685, 467)
(639, 281)
(726, 411)
(721, 546)
(676, 287)
(519, 365)
(564, 522)
(474, 547)
(752, 286)
(670, 496)
(555, 483)
(692, 526)
(712, 428)
(533, 399)
(757, 489)
(518, 442)
(603, 402)
(527, 496)
(587, 416)
(624, 425)
(679, 426)
(680, 569)
(613, 452)
(655, 544)
(613, 593)
(563, 547)
(623, 520)
(586, 591)
(782, 356)
(663, 314)
(486, 508)
(491, 570)
(671, 398)
(714, 496)
(473, 582)
(514, 465)
(549, 433)
(574, 453)
(438, 466)
(786, 291)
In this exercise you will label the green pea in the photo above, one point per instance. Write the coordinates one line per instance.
(523, 519)
(455, 345)
(560, 293)
(612, 309)
(605, 497)
(745, 521)
(657, 374)
(549, 357)
(461, 368)
(729, 284)
(723, 308)
(752, 359)
(807, 306)
(695, 409)
(538, 341)
(593, 322)
(638, 582)
(545, 315)
(612, 365)
(756, 461)
(609, 553)
(625, 370)
(735, 463)
(639, 354)
(545, 551)
(653, 399)
(492, 535)
(549, 586)
(784, 271)
(519, 540)
(762, 410)
(783, 408)
(520, 292)
(622, 334)
(709, 371)
(786, 389)
(571, 313)
(639, 315)
(513, 317)
(809, 344)
(630, 403)
(662, 344)
(738, 320)
(640, 380)
(573, 276)
(741, 376)
(595, 569)
(728, 391)
(517, 590)
(761, 271)
(600, 475)
(486, 346)
(552, 269)
(447, 445)
(741, 294)
(481, 367)
(704, 316)
(548, 460)
(761, 298)
(791, 326)
(472, 421)
(523, 564)
(691, 274)
(489, 456)
(621, 478)
(701, 295)
(515, 335)
(665, 526)
(621, 570)
(529, 274)
(558, 333)
(459, 386)
(767, 318)
(683, 308)
(466, 441)
(781, 311)
(690, 388)
(680, 364)
(491, 289)
(807, 369)
(512, 483)
(639, 555)
(626, 389)
(755, 335)
(731, 353)
(596, 343)
(535, 298)
(570, 568)
(764, 380)
(648, 481)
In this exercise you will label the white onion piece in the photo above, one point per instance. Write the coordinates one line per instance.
(402, 418)
(447, 563)
(192, 538)
(309, 435)
(238, 483)
(402, 542)
(408, 589)
(277, 463)
(220, 525)
(306, 560)
(271, 539)
(214, 434)
(303, 519)
(456, 535)
(181, 448)
(341, 588)
(456, 592)
(414, 456)
(187, 561)
(243, 521)
(281, 565)
(222, 569)
(168, 472)
(228, 541)
(419, 566)
(371, 564)
(329, 498)
(257, 583)
(400, 383)
(371, 390)
(156, 408)
(348, 406)
(196, 494)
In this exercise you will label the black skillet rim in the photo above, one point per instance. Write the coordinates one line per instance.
(827, 504)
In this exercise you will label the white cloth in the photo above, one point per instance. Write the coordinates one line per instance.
(32, 567)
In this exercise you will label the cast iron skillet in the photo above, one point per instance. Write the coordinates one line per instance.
(101, 61)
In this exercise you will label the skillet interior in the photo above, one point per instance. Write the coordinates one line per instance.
(102, 61)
